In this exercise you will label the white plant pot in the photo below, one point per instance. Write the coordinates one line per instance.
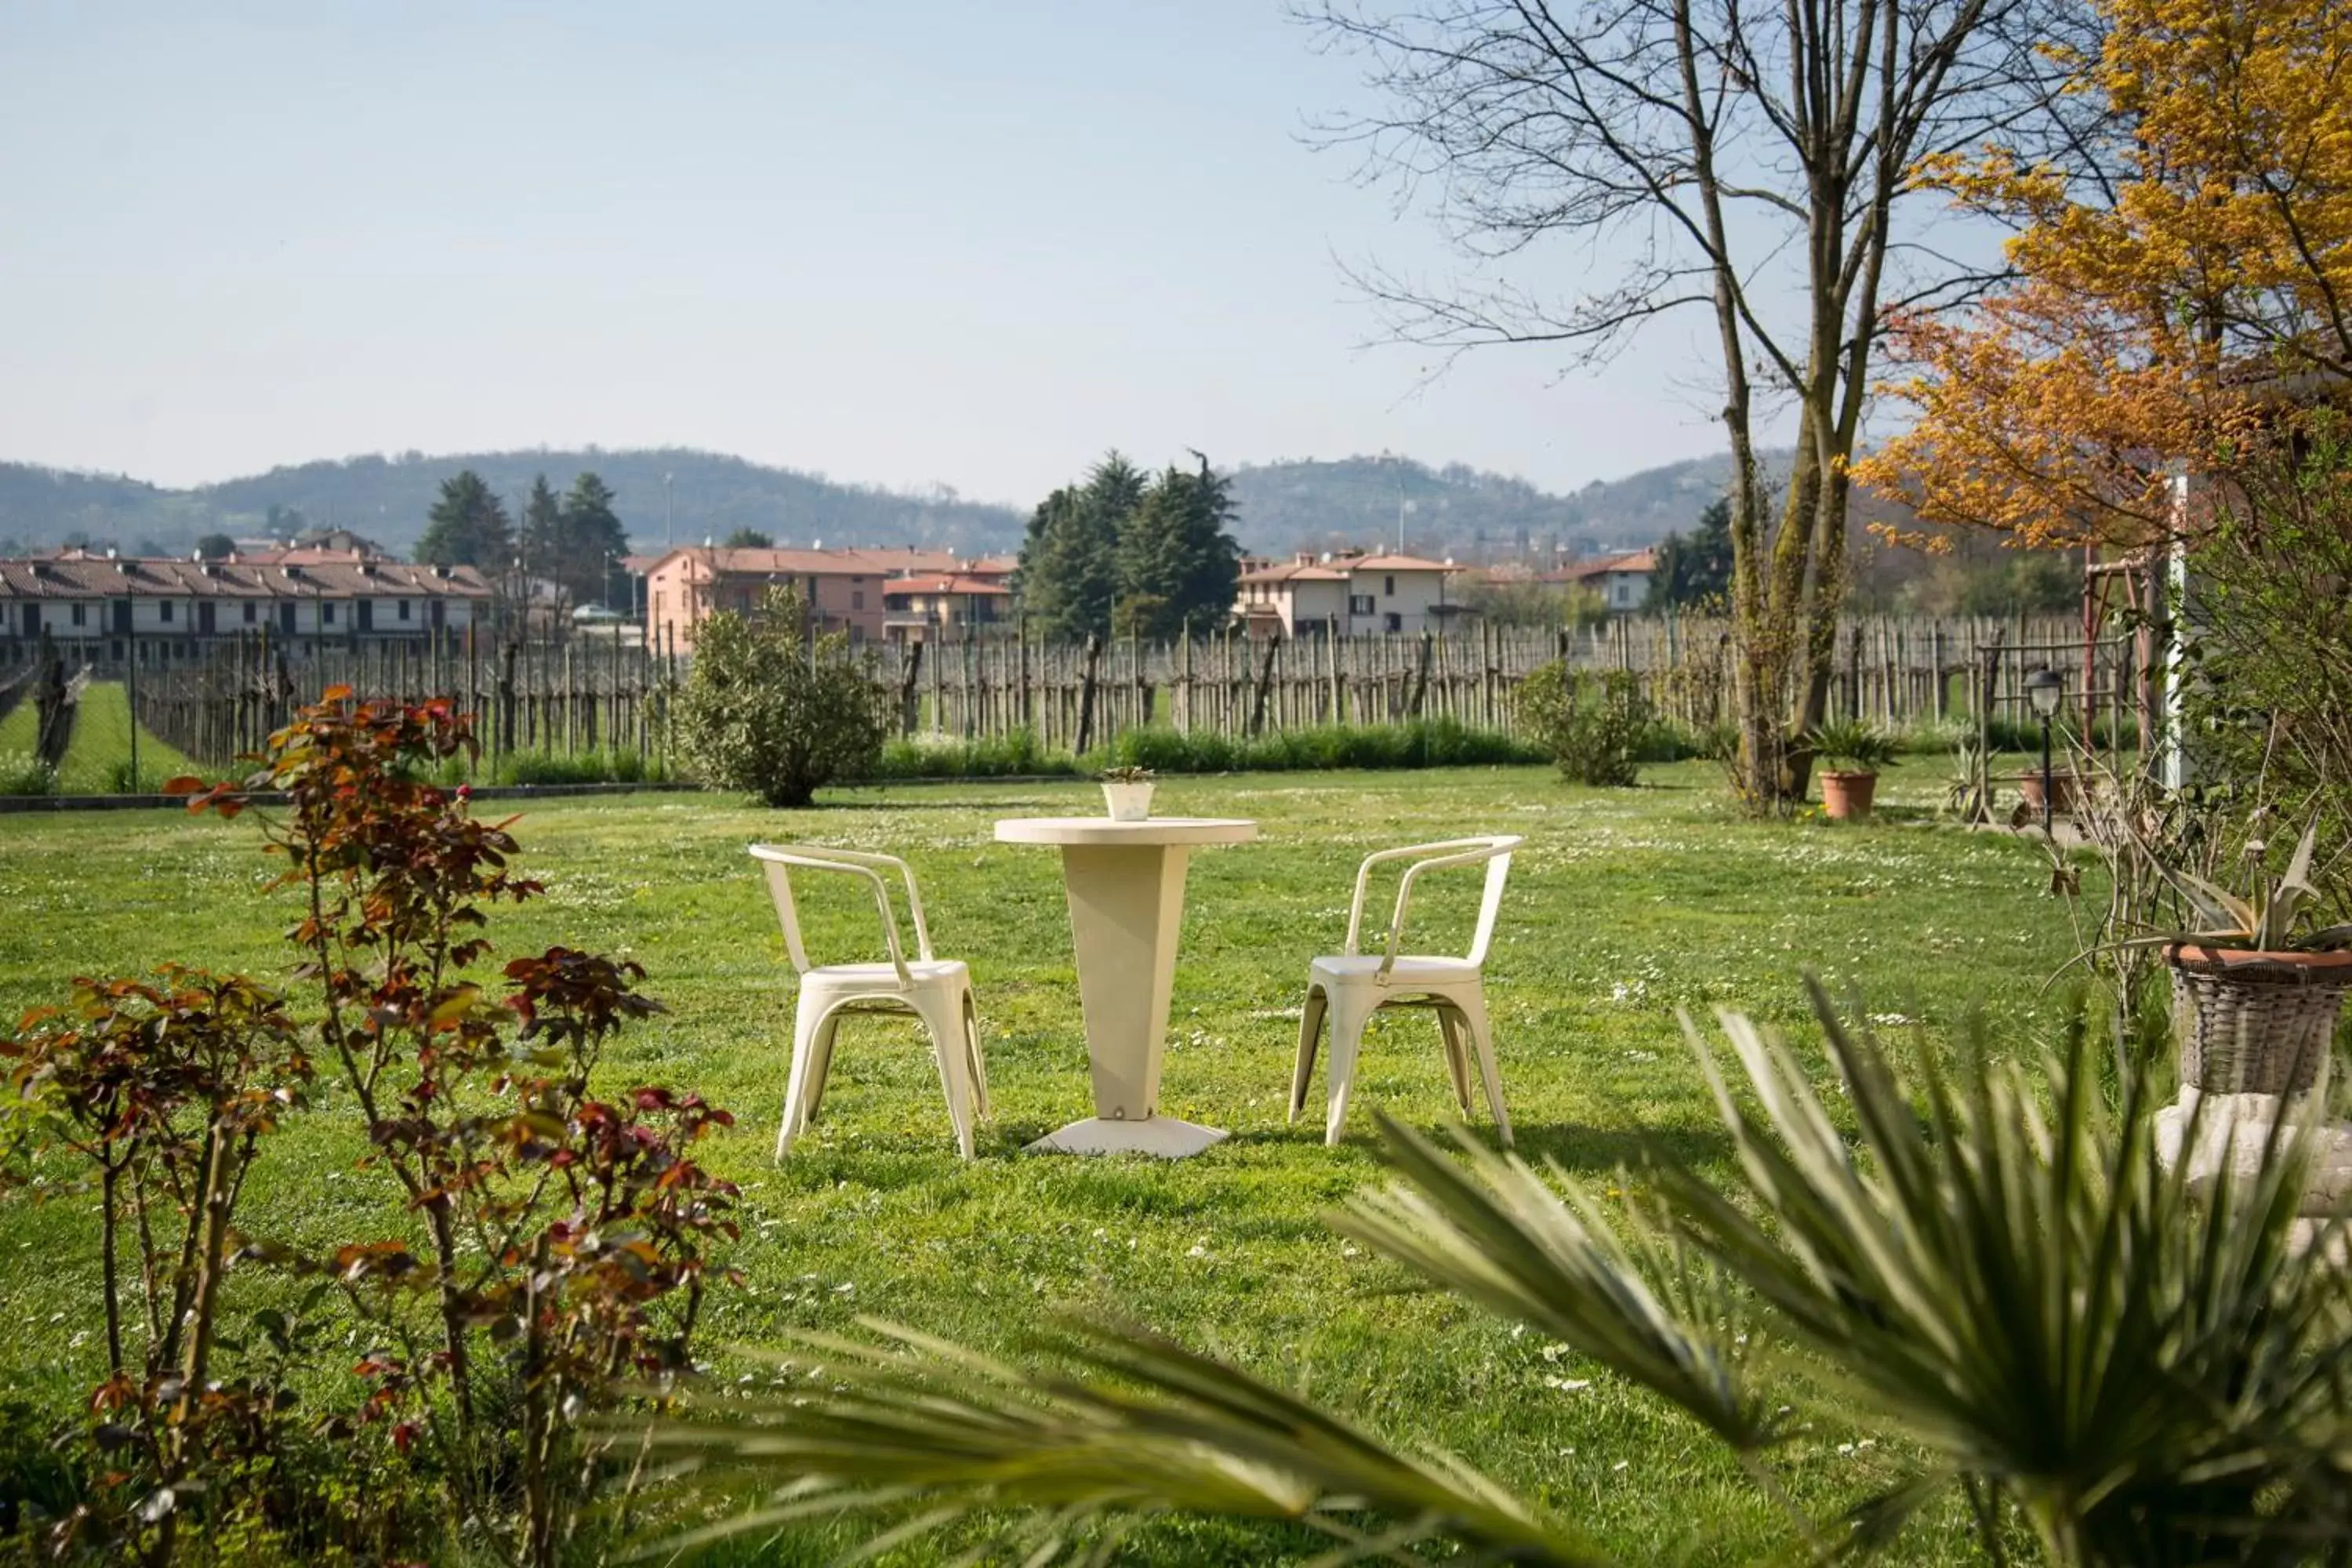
(1128, 802)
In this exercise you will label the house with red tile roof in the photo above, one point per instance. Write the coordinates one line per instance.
(845, 588)
(1622, 580)
(106, 609)
(1349, 592)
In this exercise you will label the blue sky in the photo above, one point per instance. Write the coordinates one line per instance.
(905, 244)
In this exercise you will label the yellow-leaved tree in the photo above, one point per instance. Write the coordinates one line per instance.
(2182, 293)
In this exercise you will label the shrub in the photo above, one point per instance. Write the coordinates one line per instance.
(21, 773)
(770, 707)
(1592, 722)
(550, 1257)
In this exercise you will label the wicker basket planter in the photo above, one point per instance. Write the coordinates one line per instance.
(2255, 1023)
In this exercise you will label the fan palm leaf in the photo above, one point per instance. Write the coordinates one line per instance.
(1990, 1260)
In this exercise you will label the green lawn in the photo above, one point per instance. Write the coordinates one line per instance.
(101, 744)
(1623, 906)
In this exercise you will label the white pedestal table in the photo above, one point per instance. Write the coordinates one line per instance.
(1125, 883)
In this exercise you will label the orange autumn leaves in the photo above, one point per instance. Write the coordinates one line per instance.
(2158, 314)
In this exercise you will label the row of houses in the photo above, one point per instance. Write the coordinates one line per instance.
(106, 609)
(113, 609)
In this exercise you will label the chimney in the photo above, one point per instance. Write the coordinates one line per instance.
(1306, 558)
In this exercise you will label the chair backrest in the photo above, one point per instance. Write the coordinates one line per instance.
(779, 861)
(1492, 851)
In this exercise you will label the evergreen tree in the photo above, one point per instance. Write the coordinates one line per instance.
(466, 526)
(542, 529)
(1069, 560)
(591, 539)
(1697, 571)
(749, 539)
(1179, 564)
(215, 547)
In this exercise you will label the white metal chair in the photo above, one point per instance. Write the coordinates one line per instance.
(1351, 986)
(937, 991)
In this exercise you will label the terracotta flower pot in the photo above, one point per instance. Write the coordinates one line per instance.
(2252, 1022)
(1846, 797)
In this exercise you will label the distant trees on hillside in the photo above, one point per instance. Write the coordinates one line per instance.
(748, 538)
(572, 541)
(1130, 552)
(468, 526)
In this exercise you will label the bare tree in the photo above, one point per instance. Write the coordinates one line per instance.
(1747, 160)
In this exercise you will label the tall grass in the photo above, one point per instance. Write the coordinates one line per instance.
(1417, 743)
(22, 772)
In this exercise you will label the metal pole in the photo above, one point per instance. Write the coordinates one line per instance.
(2046, 777)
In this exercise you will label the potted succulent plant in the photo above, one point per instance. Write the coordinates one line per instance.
(1852, 751)
(2256, 992)
(1126, 794)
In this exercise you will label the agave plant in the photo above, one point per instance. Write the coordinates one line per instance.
(2273, 915)
(1992, 1262)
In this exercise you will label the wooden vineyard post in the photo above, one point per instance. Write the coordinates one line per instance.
(909, 671)
(1421, 674)
(1087, 695)
(1265, 681)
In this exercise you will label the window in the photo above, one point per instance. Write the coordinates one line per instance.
(1391, 589)
(404, 609)
(1360, 605)
(326, 612)
(82, 615)
(856, 597)
(165, 613)
(1396, 622)
(251, 611)
(286, 617)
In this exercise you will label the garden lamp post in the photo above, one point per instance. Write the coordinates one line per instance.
(2043, 688)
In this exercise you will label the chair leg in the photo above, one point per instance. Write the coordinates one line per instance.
(1474, 1015)
(1450, 1028)
(977, 1062)
(1310, 1029)
(808, 1022)
(1350, 1014)
(820, 1070)
(943, 1017)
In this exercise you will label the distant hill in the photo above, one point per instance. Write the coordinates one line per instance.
(1462, 511)
(1283, 506)
(386, 498)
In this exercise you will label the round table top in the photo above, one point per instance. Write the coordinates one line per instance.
(1102, 831)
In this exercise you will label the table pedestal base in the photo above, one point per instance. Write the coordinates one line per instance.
(1165, 1136)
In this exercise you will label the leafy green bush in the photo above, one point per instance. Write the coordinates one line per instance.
(772, 709)
(21, 773)
(1594, 723)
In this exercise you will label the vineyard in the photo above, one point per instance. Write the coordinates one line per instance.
(602, 706)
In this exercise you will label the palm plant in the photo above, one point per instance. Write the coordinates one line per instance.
(1991, 1262)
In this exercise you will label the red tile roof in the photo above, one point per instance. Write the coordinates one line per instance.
(98, 577)
(1636, 561)
(937, 582)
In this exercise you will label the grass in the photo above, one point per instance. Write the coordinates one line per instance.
(98, 757)
(1623, 906)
